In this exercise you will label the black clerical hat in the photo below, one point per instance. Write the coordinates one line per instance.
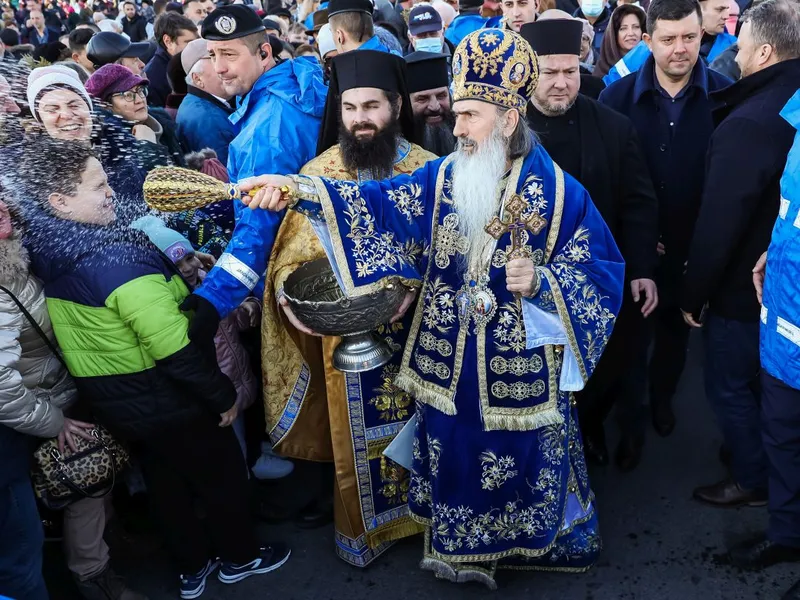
(342, 6)
(554, 36)
(426, 71)
(231, 22)
(365, 69)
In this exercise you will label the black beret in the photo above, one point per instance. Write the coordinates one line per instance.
(231, 22)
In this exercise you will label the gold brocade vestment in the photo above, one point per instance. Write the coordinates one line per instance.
(305, 398)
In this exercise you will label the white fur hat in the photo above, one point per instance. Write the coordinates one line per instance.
(44, 77)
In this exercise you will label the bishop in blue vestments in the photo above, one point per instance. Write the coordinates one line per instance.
(519, 284)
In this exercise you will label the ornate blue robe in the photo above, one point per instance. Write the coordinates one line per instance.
(498, 472)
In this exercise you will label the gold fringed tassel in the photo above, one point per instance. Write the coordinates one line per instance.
(394, 530)
(417, 389)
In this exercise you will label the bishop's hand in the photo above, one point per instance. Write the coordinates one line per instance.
(268, 196)
(521, 277)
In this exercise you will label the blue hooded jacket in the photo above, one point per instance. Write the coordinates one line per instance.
(462, 26)
(277, 125)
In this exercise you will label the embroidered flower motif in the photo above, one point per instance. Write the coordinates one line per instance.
(395, 482)
(496, 471)
(407, 200)
(439, 313)
(509, 334)
(434, 453)
(584, 301)
(392, 403)
(373, 251)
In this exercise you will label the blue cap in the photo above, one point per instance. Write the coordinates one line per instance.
(424, 19)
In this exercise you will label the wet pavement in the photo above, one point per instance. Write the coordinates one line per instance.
(658, 543)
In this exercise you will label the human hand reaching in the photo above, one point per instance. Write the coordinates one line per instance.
(269, 196)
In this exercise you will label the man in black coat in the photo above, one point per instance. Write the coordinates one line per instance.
(134, 25)
(600, 149)
(668, 102)
(741, 200)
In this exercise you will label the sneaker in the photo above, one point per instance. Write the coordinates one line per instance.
(271, 466)
(269, 558)
(194, 585)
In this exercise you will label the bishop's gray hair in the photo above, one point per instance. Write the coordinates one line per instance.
(776, 23)
(522, 139)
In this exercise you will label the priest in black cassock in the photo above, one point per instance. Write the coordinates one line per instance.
(599, 147)
(428, 77)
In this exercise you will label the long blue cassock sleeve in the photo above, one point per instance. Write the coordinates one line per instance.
(279, 121)
(580, 290)
(382, 227)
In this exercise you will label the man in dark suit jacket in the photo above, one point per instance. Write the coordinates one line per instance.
(134, 25)
(668, 102)
(741, 201)
(600, 149)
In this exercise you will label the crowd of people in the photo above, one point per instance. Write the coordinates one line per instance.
(563, 189)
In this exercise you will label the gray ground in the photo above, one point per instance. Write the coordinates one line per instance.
(659, 544)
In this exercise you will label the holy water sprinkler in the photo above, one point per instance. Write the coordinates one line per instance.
(173, 189)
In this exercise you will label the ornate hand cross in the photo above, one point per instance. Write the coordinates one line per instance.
(516, 225)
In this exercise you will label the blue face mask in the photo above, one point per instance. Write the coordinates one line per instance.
(429, 45)
(593, 8)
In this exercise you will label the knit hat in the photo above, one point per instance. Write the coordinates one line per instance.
(112, 79)
(54, 75)
(170, 242)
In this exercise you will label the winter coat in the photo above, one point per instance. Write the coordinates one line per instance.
(676, 159)
(156, 71)
(136, 29)
(34, 386)
(203, 123)
(117, 149)
(780, 311)
(233, 358)
(463, 25)
(277, 125)
(726, 63)
(742, 192)
(114, 303)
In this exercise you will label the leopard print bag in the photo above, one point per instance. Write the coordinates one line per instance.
(90, 472)
(61, 479)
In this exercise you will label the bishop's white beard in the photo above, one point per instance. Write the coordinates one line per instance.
(475, 199)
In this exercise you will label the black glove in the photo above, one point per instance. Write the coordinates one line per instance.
(203, 326)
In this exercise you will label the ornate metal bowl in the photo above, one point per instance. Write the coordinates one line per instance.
(318, 302)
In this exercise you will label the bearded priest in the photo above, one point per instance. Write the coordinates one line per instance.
(519, 286)
(312, 413)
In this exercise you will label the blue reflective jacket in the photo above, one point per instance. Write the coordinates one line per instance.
(277, 125)
(780, 310)
(462, 26)
(722, 42)
(637, 56)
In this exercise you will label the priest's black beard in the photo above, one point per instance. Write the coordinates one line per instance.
(438, 138)
(377, 153)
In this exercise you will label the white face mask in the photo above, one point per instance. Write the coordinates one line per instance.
(429, 45)
(592, 8)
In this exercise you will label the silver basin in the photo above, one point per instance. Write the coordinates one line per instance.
(318, 302)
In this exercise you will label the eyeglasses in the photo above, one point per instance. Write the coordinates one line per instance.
(131, 95)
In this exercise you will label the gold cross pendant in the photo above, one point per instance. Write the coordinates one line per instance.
(516, 225)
